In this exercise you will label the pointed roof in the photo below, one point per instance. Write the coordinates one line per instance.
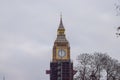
(61, 37)
(61, 23)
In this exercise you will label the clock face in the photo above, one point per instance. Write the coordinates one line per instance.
(61, 53)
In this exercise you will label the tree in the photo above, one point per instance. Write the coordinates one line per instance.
(117, 5)
(90, 67)
(118, 32)
(97, 63)
(83, 68)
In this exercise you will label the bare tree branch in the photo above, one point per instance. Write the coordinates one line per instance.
(90, 67)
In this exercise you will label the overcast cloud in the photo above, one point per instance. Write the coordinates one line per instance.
(28, 29)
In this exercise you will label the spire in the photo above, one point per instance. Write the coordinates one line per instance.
(61, 23)
(61, 32)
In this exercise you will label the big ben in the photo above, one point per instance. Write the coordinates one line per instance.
(61, 66)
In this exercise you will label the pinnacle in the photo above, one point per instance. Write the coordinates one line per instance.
(61, 23)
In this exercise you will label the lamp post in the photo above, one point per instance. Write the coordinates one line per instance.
(3, 77)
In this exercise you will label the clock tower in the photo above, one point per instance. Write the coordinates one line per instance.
(61, 66)
(61, 48)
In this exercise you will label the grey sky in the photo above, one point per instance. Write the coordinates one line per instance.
(28, 29)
